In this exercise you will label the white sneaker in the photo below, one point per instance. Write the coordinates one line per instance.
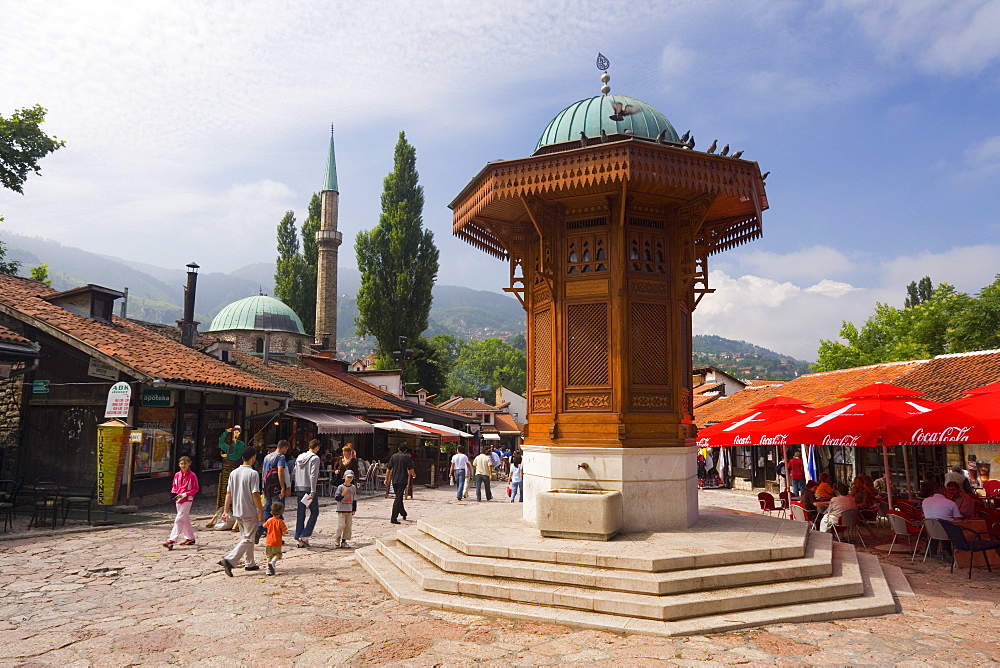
(270, 568)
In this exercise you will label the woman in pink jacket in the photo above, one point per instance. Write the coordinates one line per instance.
(185, 487)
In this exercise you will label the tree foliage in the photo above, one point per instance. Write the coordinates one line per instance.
(483, 366)
(397, 259)
(22, 144)
(933, 322)
(295, 269)
(41, 274)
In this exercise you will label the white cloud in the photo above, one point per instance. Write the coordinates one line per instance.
(809, 263)
(985, 156)
(968, 268)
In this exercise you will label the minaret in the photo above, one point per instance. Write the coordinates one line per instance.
(328, 240)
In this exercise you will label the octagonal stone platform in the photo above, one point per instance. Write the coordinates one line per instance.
(726, 572)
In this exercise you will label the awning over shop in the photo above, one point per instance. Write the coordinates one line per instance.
(332, 423)
(403, 428)
(441, 427)
(436, 431)
(491, 437)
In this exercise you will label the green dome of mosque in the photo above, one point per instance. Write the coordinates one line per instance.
(259, 312)
(594, 114)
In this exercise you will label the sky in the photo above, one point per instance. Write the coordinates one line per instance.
(192, 126)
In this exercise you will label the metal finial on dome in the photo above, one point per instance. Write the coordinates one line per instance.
(603, 64)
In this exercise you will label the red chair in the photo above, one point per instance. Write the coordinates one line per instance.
(910, 511)
(992, 488)
(787, 498)
(799, 512)
(766, 502)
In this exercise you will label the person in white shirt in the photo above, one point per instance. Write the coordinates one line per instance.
(484, 467)
(461, 469)
(243, 503)
(307, 467)
(940, 507)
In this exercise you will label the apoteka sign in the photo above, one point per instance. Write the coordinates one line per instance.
(119, 398)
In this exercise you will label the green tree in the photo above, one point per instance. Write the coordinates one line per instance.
(486, 365)
(431, 365)
(41, 274)
(977, 321)
(918, 293)
(22, 145)
(288, 268)
(310, 262)
(397, 259)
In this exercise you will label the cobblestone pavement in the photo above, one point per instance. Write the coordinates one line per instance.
(115, 597)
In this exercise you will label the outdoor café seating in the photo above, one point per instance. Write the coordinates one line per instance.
(799, 512)
(848, 523)
(959, 542)
(935, 532)
(46, 499)
(81, 501)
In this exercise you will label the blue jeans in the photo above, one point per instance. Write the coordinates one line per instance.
(459, 483)
(798, 486)
(480, 479)
(517, 490)
(268, 500)
(303, 528)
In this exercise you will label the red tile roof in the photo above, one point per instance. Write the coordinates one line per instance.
(309, 385)
(125, 342)
(946, 377)
(466, 405)
(505, 423)
(11, 336)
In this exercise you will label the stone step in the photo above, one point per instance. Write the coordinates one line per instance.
(816, 562)
(497, 530)
(876, 599)
(845, 581)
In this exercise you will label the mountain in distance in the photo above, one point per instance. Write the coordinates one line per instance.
(156, 294)
(745, 361)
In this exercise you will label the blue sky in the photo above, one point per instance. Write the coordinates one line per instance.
(192, 127)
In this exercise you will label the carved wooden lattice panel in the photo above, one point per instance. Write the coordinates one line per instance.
(542, 359)
(647, 253)
(650, 349)
(587, 328)
(586, 253)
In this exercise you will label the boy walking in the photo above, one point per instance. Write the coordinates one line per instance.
(347, 505)
(275, 528)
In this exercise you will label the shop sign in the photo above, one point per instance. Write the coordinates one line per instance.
(40, 387)
(99, 369)
(119, 398)
(162, 398)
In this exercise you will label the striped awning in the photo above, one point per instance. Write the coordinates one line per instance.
(332, 423)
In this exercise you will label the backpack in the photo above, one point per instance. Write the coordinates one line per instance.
(272, 483)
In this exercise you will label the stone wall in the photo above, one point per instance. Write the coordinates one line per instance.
(11, 404)
(282, 343)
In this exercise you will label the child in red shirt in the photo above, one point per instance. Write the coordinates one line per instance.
(275, 528)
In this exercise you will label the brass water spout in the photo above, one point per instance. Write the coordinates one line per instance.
(584, 465)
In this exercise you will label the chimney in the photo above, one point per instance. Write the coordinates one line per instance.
(188, 326)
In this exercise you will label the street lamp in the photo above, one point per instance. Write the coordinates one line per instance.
(404, 354)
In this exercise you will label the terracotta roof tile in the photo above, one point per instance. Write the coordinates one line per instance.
(129, 343)
(506, 422)
(466, 405)
(946, 377)
(11, 336)
(308, 385)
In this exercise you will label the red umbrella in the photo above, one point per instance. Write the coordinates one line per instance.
(861, 420)
(735, 430)
(975, 419)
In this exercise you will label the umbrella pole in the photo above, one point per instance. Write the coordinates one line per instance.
(888, 477)
(788, 488)
(906, 468)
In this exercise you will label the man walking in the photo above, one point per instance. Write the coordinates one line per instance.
(275, 486)
(460, 469)
(243, 504)
(483, 465)
(398, 471)
(306, 480)
(797, 472)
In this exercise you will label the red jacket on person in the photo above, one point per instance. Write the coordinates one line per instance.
(796, 469)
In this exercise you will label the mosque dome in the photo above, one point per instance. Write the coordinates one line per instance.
(594, 114)
(259, 312)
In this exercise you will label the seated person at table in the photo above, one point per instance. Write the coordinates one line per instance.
(808, 499)
(940, 507)
(966, 503)
(824, 490)
(958, 476)
(838, 504)
(880, 486)
(863, 491)
(928, 486)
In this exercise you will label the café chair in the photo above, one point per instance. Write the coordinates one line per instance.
(81, 502)
(956, 535)
(848, 522)
(901, 526)
(766, 501)
(992, 488)
(935, 532)
(8, 498)
(799, 512)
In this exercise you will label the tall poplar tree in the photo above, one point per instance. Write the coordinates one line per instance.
(310, 262)
(398, 261)
(288, 268)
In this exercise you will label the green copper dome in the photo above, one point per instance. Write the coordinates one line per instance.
(257, 313)
(592, 115)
